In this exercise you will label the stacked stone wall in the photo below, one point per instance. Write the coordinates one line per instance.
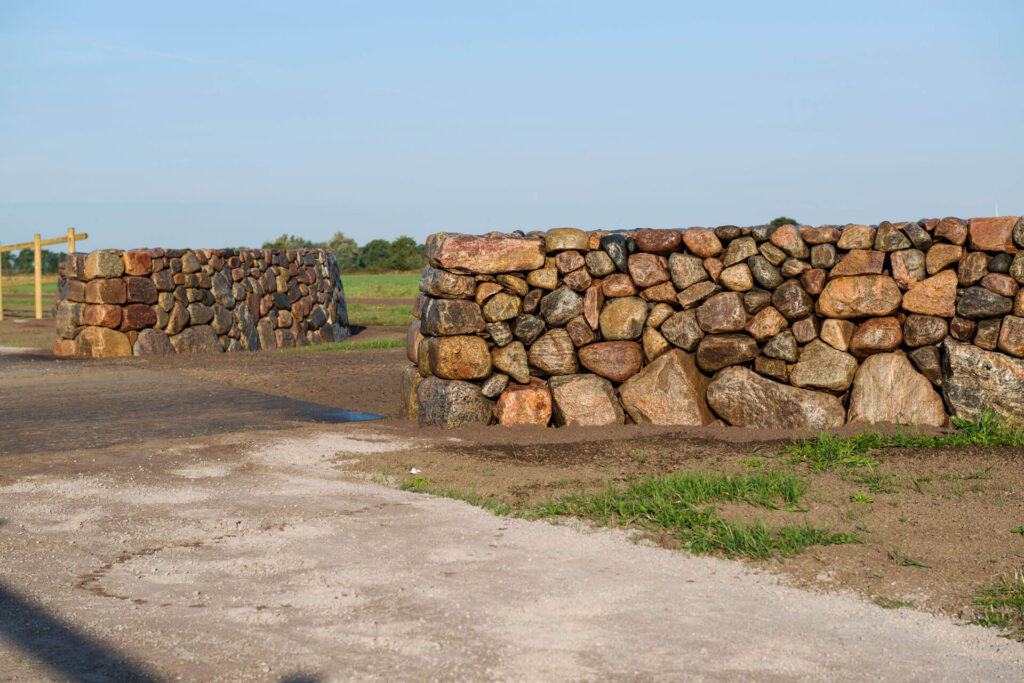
(163, 301)
(788, 327)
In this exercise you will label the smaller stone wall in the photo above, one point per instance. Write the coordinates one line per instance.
(162, 301)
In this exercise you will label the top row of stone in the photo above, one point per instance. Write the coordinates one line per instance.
(518, 251)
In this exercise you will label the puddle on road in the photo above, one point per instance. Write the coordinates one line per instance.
(322, 413)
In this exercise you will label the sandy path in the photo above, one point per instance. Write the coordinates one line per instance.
(224, 558)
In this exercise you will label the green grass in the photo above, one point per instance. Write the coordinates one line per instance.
(381, 285)
(30, 288)
(423, 485)
(1002, 606)
(348, 346)
(825, 451)
(366, 315)
(679, 504)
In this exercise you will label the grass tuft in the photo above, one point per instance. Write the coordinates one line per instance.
(348, 346)
(1002, 606)
(672, 504)
(418, 484)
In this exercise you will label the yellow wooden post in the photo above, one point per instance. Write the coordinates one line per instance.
(1, 284)
(71, 241)
(39, 276)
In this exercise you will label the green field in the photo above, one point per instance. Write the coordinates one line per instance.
(381, 285)
(29, 288)
(366, 315)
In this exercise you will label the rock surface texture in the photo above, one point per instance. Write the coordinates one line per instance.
(792, 327)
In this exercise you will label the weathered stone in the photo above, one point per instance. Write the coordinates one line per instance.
(974, 381)
(197, 339)
(686, 270)
(409, 407)
(695, 294)
(190, 263)
(69, 316)
(472, 254)
(714, 268)
(987, 334)
(531, 302)
(962, 329)
(876, 335)
(441, 284)
(739, 250)
(177, 319)
(772, 367)
(682, 330)
(923, 330)
(137, 317)
(623, 318)
(825, 234)
(745, 399)
(452, 404)
(719, 350)
(1011, 336)
(494, 385)
(702, 242)
(940, 256)
(837, 333)
(727, 233)
(919, 237)
(813, 281)
(1016, 269)
(792, 267)
(1000, 284)
(500, 333)
(568, 261)
(1018, 233)
(1018, 304)
(928, 361)
(137, 262)
(658, 315)
(978, 303)
(823, 256)
(972, 268)
(618, 284)
(663, 293)
(554, 354)
(593, 300)
(935, 295)
(737, 278)
(952, 230)
(766, 324)
(618, 251)
(788, 239)
(105, 291)
(527, 328)
(103, 264)
(222, 319)
(199, 314)
(908, 267)
(598, 263)
(764, 273)
(887, 388)
(859, 296)
(502, 306)
(544, 278)
(578, 280)
(268, 338)
(756, 300)
(792, 301)
(669, 391)
(772, 253)
(782, 346)
(443, 317)
(511, 359)
(654, 343)
(101, 342)
(993, 234)
(413, 337)
(890, 238)
(524, 404)
(823, 367)
(561, 239)
(560, 306)
(647, 270)
(580, 331)
(456, 357)
(102, 315)
(722, 313)
(658, 241)
(586, 400)
(140, 290)
(859, 262)
(616, 360)
(806, 329)
(152, 342)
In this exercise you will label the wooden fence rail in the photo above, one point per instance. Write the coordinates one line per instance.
(37, 244)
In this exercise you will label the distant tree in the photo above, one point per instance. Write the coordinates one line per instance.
(406, 254)
(290, 242)
(345, 249)
(375, 255)
(783, 220)
(24, 261)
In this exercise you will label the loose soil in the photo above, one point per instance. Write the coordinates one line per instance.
(957, 518)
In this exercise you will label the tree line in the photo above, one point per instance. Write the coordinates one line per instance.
(402, 253)
(24, 261)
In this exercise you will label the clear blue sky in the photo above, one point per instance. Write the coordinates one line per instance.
(228, 123)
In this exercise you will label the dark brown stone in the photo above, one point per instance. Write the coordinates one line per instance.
(792, 301)
(722, 313)
(923, 330)
(720, 350)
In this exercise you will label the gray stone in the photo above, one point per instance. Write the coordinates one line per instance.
(822, 367)
(494, 385)
(452, 403)
(618, 251)
(500, 333)
(222, 291)
(561, 306)
(686, 270)
(197, 339)
(792, 300)
(511, 359)
(69, 317)
(919, 237)
(890, 238)
(756, 300)
(928, 361)
(765, 274)
(682, 330)
(222, 318)
(586, 400)
(265, 330)
(717, 351)
(199, 314)
(445, 317)
(598, 263)
(782, 346)
(527, 328)
(978, 303)
(554, 354)
(1016, 269)
(739, 250)
(1000, 263)
(152, 342)
(975, 380)
(823, 256)
(743, 398)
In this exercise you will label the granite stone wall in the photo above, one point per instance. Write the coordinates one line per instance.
(788, 327)
(161, 301)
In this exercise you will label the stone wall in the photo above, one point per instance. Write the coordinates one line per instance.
(789, 327)
(160, 301)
